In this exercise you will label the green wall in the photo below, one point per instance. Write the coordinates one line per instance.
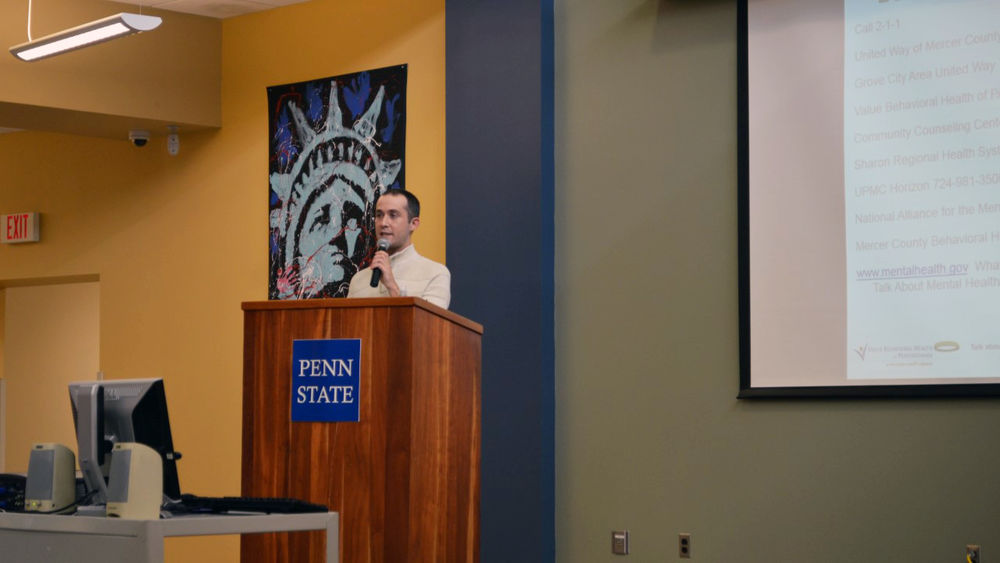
(649, 433)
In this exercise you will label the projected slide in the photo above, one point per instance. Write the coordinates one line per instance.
(921, 164)
(870, 197)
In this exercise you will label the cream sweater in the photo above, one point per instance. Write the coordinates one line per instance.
(416, 276)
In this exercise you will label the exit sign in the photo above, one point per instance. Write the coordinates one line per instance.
(19, 227)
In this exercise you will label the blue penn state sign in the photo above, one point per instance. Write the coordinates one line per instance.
(326, 380)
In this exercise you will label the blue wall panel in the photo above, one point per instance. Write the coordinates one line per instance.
(500, 245)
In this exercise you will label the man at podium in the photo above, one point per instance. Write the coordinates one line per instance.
(401, 271)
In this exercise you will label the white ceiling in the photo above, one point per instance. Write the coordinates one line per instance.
(213, 8)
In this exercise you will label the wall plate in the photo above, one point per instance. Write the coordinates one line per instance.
(684, 546)
(619, 542)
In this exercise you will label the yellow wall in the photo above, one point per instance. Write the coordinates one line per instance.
(3, 389)
(180, 242)
(3, 340)
(52, 340)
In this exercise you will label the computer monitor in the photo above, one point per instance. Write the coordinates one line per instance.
(124, 410)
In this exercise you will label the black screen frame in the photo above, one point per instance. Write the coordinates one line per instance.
(747, 390)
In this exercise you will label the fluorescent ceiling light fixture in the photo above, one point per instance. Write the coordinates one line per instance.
(111, 27)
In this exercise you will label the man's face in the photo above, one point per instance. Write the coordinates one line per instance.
(393, 222)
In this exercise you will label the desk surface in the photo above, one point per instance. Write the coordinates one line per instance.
(45, 533)
(179, 525)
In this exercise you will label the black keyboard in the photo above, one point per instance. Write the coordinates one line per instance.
(12, 492)
(213, 505)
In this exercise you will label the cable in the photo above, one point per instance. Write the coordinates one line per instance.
(29, 21)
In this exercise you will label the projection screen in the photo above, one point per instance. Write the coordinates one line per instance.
(869, 197)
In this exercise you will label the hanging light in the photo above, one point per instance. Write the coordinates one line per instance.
(105, 29)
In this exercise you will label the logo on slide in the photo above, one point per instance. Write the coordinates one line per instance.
(861, 352)
(946, 346)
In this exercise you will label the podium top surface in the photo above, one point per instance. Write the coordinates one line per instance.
(367, 302)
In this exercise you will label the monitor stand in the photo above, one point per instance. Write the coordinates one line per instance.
(92, 510)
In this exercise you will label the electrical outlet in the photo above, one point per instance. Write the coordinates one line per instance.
(684, 546)
(972, 554)
(619, 542)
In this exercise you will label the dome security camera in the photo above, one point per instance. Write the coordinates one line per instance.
(138, 137)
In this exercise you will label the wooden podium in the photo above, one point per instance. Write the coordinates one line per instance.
(405, 479)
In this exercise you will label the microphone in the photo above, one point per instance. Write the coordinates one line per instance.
(377, 273)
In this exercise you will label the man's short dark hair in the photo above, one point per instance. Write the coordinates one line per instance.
(412, 203)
